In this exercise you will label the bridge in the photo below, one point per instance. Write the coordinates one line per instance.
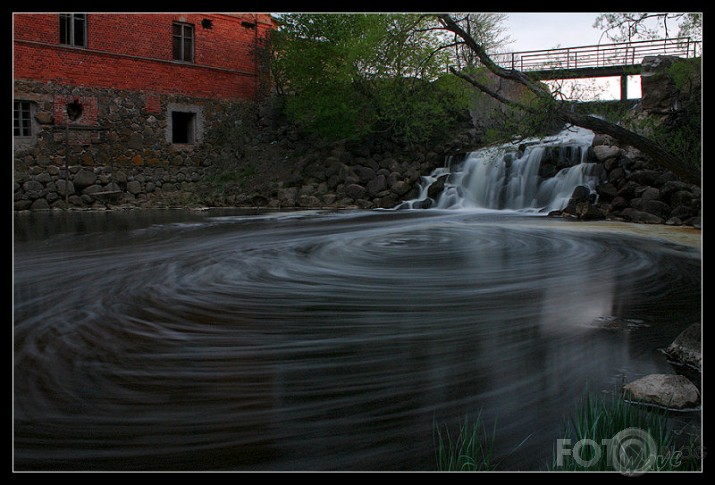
(603, 60)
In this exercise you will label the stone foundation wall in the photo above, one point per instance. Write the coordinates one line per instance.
(119, 148)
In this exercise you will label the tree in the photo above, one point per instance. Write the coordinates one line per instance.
(547, 104)
(627, 27)
(347, 75)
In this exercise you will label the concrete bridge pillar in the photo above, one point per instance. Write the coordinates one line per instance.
(624, 87)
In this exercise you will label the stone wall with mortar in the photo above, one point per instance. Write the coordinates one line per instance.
(119, 149)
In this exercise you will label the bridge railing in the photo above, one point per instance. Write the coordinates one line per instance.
(594, 56)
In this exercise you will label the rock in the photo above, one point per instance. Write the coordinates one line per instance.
(134, 187)
(44, 118)
(92, 189)
(669, 188)
(644, 177)
(40, 204)
(635, 215)
(589, 212)
(650, 193)
(628, 190)
(682, 212)
(401, 187)
(619, 203)
(657, 85)
(365, 174)
(135, 141)
(656, 207)
(601, 139)
(580, 193)
(674, 221)
(21, 205)
(376, 185)
(309, 201)
(668, 390)
(616, 174)
(607, 191)
(84, 178)
(437, 187)
(604, 152)
(43, 178)
(686, 349)
(681, 197)
(355, 191)
(637, 203)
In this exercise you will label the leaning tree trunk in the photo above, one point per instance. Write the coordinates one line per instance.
(658, 154)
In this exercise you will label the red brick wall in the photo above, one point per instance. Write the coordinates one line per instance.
(134, 52)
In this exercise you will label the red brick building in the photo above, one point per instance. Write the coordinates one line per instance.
(126, 95)
(197, 55)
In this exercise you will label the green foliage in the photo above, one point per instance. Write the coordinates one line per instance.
(347, 75)
(685, 73)
(472, 449)
(600, 419)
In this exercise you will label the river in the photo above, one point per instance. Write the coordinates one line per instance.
(315, 340)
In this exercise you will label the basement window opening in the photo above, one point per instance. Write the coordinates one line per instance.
(22, 118)
(183, 127)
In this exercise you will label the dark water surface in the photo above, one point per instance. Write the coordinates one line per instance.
(323, 341)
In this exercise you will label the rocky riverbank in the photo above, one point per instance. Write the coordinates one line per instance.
(634, 190)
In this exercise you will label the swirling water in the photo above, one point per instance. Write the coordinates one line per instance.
(323, 341)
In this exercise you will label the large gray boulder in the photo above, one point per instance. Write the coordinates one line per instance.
(686, 349)
(667, 390)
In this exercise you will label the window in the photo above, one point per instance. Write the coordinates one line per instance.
(184, 42)
(73, 29)
(22, 118)
(183, 127)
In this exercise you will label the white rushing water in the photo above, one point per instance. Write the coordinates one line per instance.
(511, 176)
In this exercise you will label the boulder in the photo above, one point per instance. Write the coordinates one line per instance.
(645, 177)
(656, 207)
(657, 85)
(401, 187)
(619, 203)
(365, 174)
(84, 178)
(134, 187)
(607, 191)
(376, 185)
(308, 201)
(40, 204)
(355, 191)
(641, 217)
(437, 187)
(674, 221)
(667, 390)
(682, 212)
(604, 152)
(602, 139)
(580, 193)
(650, 193)
(681, 197)
(686, 349)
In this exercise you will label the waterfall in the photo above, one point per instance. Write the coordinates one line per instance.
(533, 175)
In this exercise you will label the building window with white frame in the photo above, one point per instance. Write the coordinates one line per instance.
(73, 29)
(183, 37)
